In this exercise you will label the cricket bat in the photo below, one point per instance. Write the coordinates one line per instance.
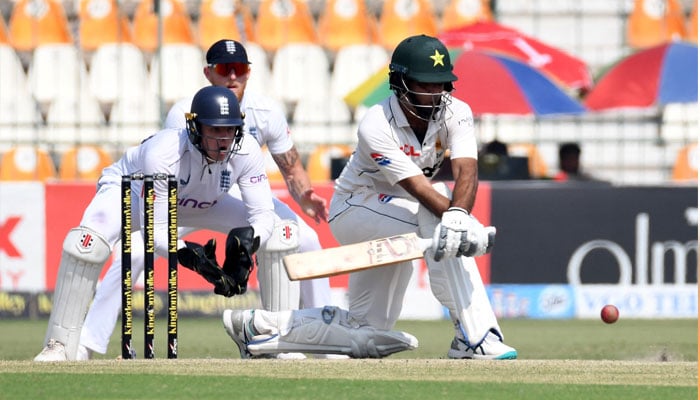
(355, 257)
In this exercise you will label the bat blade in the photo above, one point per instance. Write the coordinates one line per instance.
(355, 257)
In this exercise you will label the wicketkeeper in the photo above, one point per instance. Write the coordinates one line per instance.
(207, 157)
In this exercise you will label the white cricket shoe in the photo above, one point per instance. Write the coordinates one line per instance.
(490, 349)
(236, 323)
(54, 351)
(83, 354)
(238, 326)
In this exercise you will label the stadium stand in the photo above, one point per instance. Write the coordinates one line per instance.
(83, 163)
(176, 25)
(27, 163)
(282, 22)
(653, 22)
(101, 22)
(38, 22)
(345, 23)
(224, 19)
(401, 18)
(685, 168)
(463, 12)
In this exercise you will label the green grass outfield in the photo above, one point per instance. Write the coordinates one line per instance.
(572, 359)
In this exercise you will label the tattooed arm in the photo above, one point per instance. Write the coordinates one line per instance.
(299, 185)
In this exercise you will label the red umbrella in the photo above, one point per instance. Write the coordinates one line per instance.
(655, 76)
(491, 36)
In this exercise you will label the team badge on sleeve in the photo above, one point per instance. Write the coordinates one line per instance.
(380, 159)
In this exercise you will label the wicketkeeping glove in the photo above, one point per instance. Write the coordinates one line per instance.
(241, 245)
(202, 260)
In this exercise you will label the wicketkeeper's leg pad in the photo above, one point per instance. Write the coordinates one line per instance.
(324, 330)
(277, 292)
(84, 253)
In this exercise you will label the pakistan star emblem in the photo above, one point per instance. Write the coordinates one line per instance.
(437, 59)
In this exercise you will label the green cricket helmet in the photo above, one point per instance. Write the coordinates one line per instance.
(422, 58)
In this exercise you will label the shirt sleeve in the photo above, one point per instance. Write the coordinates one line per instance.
(176, 116)
(383, 150)
(255, 189)
(460, 130)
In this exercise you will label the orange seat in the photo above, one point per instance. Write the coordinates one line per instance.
(464, 12)
(691, 30)
(283, 22)
(83, 163)
(224, 20)
(102, 22)
(537, 166)
(344, 23)
(401, 18)
(27, 163)
(4, 39)
(320, 162)
(654, 22)
(177, 25)
(686, 165)
(38, 22)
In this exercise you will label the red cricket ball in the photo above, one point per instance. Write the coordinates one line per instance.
(609, 314)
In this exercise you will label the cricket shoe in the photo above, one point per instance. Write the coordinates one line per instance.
(490, 349)
(83, 353)
(54, 351)
(239, 326)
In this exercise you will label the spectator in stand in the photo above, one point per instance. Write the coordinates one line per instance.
(569, 164)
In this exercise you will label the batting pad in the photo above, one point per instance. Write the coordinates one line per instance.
(84, 253)
(277, 292)
(457, 284)
(324, 330)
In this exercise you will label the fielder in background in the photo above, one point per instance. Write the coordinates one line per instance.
(385, 190)
(207, 158)
(228, 66)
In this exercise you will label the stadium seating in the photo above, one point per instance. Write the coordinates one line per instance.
(537, 166)
(18, 109)
(224, 20)
(83, 163)
(691, 29)
(181, 72)
(56, 70)
(685, 167)
(38, 22)
(321, 161)
(281, 22)
(653, 22)
(322, 120)
(75, 120)
(27, 163)
(117, 70)
(261, 73)
(102, 22)
(354, 64)
(176, 25)
(400, 19)
(4, 39)
(344, 23)
(300, 70)
(463, 12)
(134, 118)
